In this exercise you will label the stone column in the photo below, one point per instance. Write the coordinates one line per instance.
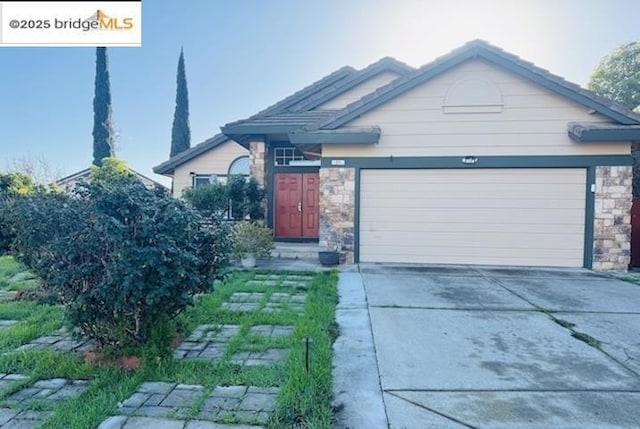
(337, 211)
(612, 220)
(257, 161)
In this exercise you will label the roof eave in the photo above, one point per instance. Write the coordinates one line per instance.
(337, 137)
(614, 135)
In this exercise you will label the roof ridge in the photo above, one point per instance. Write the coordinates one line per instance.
(362, 75)
(341, 73)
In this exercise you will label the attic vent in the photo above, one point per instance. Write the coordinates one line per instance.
(473, 96)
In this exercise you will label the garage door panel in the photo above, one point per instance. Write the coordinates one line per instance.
(517, 202)
(463, 190)
(557, 260)
(525, 240)
(493, 215)
(489, 216)
(408, 230)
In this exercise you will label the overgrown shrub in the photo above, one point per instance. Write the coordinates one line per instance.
(254, 199)
(238, 199)
(210, 200)
(121, 257)
(12, 186)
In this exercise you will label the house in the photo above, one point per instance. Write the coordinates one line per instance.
(479, 157)
(68, 182)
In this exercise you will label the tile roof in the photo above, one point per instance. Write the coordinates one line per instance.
(386, 64)
(482, 49)
(168, 166)
(295, 115)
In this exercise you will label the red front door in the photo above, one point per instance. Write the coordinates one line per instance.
(296, 205)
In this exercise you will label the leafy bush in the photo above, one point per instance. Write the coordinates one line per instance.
(210, 200)
(251, 238)
(254, 198)
(121, 257)
(238, 199)
(12, 186)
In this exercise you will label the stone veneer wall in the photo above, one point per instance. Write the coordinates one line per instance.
(257, 166)
(612, 220)
(337, 211)
(256, 161)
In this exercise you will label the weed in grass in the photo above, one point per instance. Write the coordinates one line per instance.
(564, 323)
(586, 338)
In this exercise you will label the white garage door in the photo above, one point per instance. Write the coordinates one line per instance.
(531, 217)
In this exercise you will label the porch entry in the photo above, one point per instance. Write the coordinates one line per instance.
(297, 205)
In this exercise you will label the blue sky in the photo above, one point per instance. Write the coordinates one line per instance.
(243, 55)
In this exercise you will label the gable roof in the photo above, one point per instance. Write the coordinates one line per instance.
(386, 64)
(256, 124)
(168, 166)
(316, 87)
(493, 54)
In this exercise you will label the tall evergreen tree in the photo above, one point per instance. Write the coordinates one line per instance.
(180, 132)
(103, 134)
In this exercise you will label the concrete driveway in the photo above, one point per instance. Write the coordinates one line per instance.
(503, 348)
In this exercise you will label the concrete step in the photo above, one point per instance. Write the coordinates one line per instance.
(295, 251)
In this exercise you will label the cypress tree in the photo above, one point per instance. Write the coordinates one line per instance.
(103, 134)
(180, 132)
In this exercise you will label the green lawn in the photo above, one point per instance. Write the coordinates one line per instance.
(14, 277)
(304, 399)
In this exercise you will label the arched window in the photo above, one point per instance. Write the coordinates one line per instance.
(240, 166)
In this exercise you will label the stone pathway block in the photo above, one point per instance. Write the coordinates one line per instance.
(280, 301)
(8, 379)
(52, 390)
(7, 323)
(267, 277)
(214, 333)
(266, 357)
(60, 341)
(246, 297)
(263, 283)
(206, 342)
(160, 399)
(248, 404)
(243, 301)
(27, 419)
(271, 331)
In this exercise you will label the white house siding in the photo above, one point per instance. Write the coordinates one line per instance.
(215, 161)
(532, 121)
(359, 91)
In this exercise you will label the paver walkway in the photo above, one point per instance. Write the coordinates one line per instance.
(61, 340)
(7, 379)
(45, 393)
(167, 405)
(277, 302)
(7, 323)
(271, 331)
(264, 357)
(7, 295)
(206, 342)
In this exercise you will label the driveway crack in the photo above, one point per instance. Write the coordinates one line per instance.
(431, 410)
(580, 336)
